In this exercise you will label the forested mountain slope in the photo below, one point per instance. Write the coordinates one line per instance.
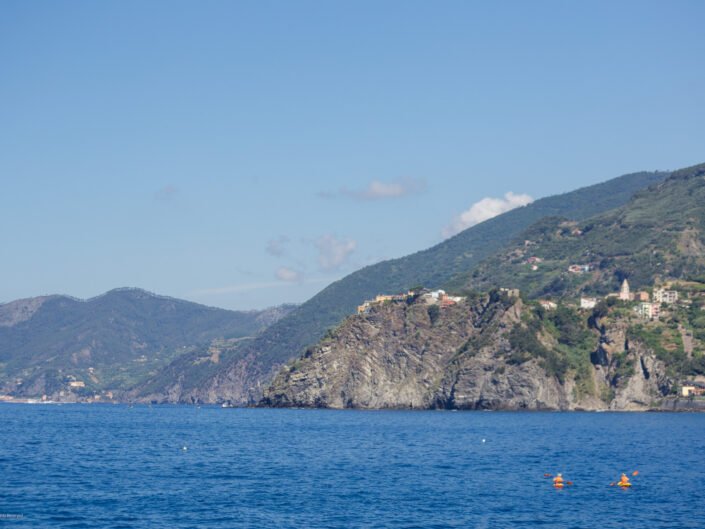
(495, 350)
(108, 342)
(243, 378)
(659, 234)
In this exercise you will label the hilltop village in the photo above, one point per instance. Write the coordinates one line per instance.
(661, 314)
(648, 305)
(435, 297)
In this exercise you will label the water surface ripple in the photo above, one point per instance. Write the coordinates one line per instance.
(80, 466)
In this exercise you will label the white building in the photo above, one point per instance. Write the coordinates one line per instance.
(440, 296)
(624, 292)
(588, 303)
(661, 295)
(648, 310)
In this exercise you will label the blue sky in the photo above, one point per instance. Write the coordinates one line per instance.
(245, 154)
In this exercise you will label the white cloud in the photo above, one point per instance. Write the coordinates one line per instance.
(277, 247)
(485, 209)
(333, 252)
(378, 190)
(288, 275)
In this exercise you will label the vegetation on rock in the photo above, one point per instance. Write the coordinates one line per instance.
(657, 235)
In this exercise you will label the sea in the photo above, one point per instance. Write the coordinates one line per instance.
(115, 466)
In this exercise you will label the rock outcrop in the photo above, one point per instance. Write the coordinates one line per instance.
(404, 355)
(628, 371)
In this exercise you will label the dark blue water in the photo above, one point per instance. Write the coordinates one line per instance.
(114, 466)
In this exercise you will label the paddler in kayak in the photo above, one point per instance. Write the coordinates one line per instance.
(624, 481)
(558, 481)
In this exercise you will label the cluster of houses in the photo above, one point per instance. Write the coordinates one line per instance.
(652, 309)
(435, 297)
(383, 298)
(647, 307)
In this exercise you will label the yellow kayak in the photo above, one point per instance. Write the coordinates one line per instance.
(624, 484)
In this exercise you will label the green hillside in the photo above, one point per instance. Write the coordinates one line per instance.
(659, 234)
(432, 267)
(108, 342)
(184, 378)
(635, 351)
(435, 266)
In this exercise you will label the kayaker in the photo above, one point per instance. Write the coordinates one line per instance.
(624, 481)
(558, 480)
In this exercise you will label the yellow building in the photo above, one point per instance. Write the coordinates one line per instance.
(361, 309)
(692, 391)
(381, 298)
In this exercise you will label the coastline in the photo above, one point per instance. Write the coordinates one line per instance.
(666, 405)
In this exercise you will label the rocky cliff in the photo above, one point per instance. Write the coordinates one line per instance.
(486, 352)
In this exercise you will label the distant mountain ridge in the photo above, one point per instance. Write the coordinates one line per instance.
(108, 342)
(147, 347)
(243, 379)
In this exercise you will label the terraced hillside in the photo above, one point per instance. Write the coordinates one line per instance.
(659, 234)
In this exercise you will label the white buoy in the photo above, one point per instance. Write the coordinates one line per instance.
(184, 448)
(483, 440)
